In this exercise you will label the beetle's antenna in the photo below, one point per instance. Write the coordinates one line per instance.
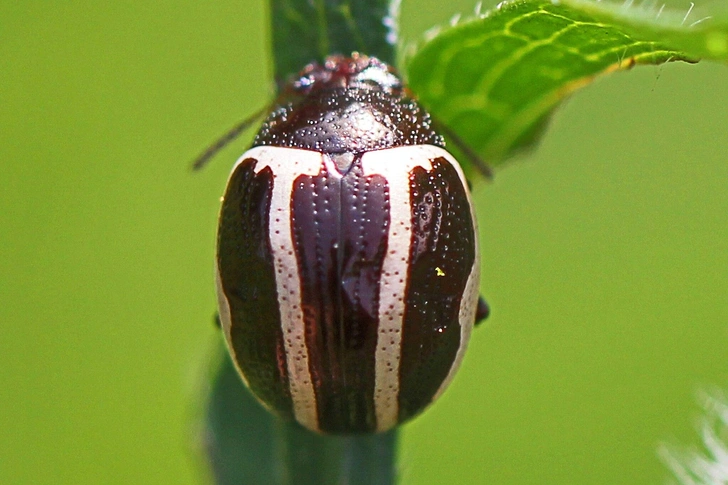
(479, 163)
(228, 137)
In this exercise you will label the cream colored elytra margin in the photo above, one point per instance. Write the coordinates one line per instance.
(287, 164)
(224, 311)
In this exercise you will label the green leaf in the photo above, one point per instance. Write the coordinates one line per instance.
(309, 30)
(246, 444)
(697, 33)
(494, 80)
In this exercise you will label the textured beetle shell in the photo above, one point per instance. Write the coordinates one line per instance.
(347, 262)
(350, 295)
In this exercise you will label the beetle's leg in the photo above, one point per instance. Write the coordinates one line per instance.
(218, 324)
(482, 312)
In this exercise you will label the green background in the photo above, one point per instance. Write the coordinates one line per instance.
(605, 257)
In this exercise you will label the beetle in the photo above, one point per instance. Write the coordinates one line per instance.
(347, 253)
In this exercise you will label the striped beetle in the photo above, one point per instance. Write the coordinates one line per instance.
(347, 253)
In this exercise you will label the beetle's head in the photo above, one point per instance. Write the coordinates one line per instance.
(340, 72)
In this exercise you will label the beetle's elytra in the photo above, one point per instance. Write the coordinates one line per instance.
(347, 259)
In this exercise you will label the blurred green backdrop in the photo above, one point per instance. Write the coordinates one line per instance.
(605, 257)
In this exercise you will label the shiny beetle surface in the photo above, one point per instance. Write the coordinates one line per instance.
(347, 264)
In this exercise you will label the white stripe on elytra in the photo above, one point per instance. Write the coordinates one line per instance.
(395, 165)
(287, 164)
(396, 168)
(469, 301)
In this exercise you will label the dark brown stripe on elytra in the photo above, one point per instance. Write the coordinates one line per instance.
(441, 259)
(340, 230)
(248, 280)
